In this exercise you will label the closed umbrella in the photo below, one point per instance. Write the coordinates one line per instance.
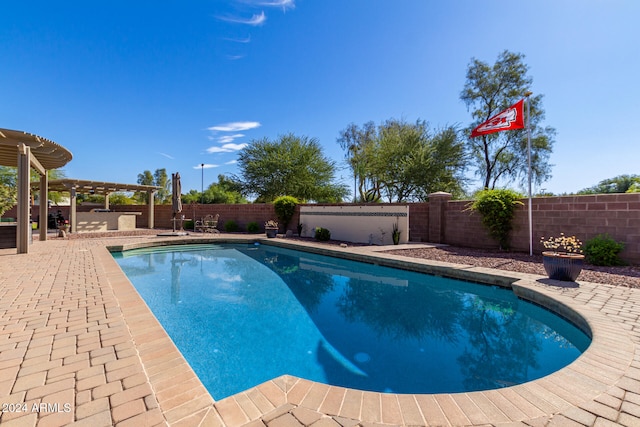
(176, 198)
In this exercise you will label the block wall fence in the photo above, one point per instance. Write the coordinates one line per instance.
(442, 220)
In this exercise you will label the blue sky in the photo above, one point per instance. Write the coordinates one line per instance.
(129, 86)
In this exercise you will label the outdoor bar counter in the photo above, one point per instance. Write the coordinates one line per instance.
(105, 221)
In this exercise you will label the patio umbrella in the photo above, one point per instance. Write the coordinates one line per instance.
(176, 198)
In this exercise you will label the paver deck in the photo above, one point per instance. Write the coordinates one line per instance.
(78, 346)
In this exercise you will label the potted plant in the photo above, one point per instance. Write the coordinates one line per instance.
(271, 228)
(563, 260)
(63, 228)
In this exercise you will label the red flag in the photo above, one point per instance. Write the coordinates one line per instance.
(509, 119)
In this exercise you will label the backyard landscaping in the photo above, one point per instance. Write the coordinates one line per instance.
(521, 262)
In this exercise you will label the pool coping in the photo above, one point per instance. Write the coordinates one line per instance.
(608, 369)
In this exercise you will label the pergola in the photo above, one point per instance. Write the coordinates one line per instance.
(25, 151)
(78, 186)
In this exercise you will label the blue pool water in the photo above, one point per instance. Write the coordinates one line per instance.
(244, 314)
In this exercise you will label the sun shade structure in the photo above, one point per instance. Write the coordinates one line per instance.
(79, 186)
(46, 152)
(25, 151)
(96, 187)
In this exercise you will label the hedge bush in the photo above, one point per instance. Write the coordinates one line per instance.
(603, 250)
(497, 208)
(253, 227)
(322, 234)
(231, 226)
(285, 207)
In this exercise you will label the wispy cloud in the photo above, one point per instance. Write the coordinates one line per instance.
(229, 138)
(234, 126)
(284, 4)
(255, 20)
(245, 40)
(167, 156)
(226, 148)
(206, 166)
(231, 162)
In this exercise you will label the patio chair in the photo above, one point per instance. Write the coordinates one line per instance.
(208, 224)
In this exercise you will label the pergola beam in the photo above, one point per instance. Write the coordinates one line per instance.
(37, 166)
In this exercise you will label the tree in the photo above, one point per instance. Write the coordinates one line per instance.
(228, 184)
(403, 161)
(55, 196)
(144, 178)
(119, 198)
(160, 179)
(502, 156)
(411, 163)
(635, 188)
(359, 145)
(618, 184)
(9, 178)
(8, 198)
(291, 165)
(224, 191)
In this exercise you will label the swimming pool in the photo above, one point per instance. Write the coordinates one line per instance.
(244, 314)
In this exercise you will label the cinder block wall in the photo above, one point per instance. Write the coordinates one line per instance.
(419, 222)
(241, 214)
(587, 216)
(452, 223)
(583, 216)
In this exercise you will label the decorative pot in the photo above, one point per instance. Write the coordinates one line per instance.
(271, 232)
(562, 265)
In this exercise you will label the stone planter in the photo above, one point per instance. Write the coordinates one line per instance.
(562, 266)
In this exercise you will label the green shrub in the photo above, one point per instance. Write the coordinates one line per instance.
(231, 226)
(253, 227)
(322, 234)
(8, 198)
(603, 250)
(285, 207)
(188, 225)
(497, 208)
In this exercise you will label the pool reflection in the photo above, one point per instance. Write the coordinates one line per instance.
(406, 330)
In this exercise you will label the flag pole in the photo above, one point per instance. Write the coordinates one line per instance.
(528, 124)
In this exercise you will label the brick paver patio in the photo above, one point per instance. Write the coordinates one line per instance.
(79, 347)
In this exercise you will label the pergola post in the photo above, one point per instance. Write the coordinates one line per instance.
(43, 223)
(150, 198)
(72, 209)
(24, 205)
(106, 200)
